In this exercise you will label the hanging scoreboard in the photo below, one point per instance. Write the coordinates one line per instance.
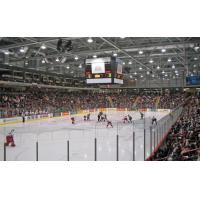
(106, 70)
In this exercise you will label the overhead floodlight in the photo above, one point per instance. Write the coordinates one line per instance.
(43, 61)
(196, 48)
(80, 66)
(140, 52)
(153, 75)
(6, 52)
(141, 76)
(131, 76)
(195, 58)
(163, 50)
(67, 67)
(140, 68)
(158, 67)
(72, 72)
(43, 46)
(176, 71)
(22, 50)
(135, 73)
(57, 59)
(151, 61)
(123, 63)
(169, 60)
(76, 57)
(173, 66)
(90, 40)
(115, 54)
(163, 72)
(130, 63)
(148, 72)
(166, 75)
(194, 65)
(94, 56)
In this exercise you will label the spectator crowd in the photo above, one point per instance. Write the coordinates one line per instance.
(183, 140)
(38, 101)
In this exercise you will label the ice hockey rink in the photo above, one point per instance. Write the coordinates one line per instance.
(52, 136)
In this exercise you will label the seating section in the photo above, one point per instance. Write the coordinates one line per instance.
(183, 141)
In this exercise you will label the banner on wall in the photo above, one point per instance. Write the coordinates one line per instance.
(102, 109)
(121, 109)
(142, 110)
(111, 109)
(65, 114)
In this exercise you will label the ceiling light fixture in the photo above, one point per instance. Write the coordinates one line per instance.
(140, 52)
(163, 50)
(21, 50)
(43, 46)
(90, 40)
(76, 57)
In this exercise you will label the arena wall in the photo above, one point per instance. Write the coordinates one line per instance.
(41, 117)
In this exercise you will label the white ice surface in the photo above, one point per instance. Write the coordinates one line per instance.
(52, 136)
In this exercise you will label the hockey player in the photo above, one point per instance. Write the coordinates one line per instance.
(125, 119)
(105, 117)
(109, 123)
(10, 139)
(84, 117)
(73, 120)
(142, 115)
(99, 117)
(102, 119)
(130, 119)
(88, 116)
(154, 121)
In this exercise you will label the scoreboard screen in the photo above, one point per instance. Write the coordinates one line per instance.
(193, 80)
(103, 70)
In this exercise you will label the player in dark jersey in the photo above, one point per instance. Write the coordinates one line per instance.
(125, 119)
(73, 120)
(109, 123)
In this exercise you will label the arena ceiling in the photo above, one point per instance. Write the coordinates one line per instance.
(155, 56)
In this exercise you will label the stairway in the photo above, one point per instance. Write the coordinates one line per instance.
(157, 101)
(135, 103)
(110, 101)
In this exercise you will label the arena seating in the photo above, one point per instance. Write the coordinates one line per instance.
(183, 141)
(39, 101)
